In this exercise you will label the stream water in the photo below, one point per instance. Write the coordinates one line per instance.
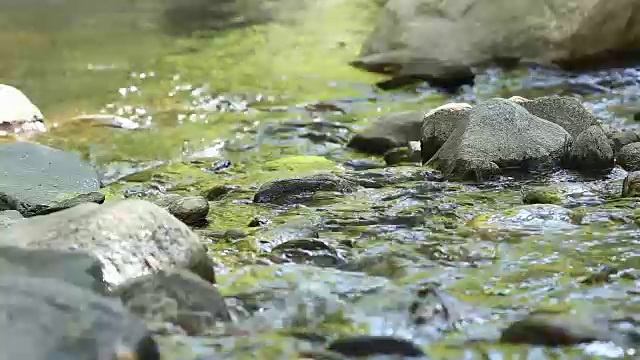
(230, 83)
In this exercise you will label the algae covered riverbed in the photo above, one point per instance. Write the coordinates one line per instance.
(266, 92)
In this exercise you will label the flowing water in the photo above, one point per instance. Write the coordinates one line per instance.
(233, 82)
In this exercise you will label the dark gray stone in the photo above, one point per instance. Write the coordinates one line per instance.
(550, 329)
(629, 157)
(177, 297)
(500, 135)
(360, 346)
(388, 132)
(130, 238)
(591, 151)
(42, 319)
(300, 189)
(34, 176)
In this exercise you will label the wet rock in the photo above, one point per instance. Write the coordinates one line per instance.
(541, 196)
(9, 217)
(435, 309)
(444, 41)
(131, 238)
(218, 192)
(234, 234)
(619, 139)
(631, 185)
(176, 296)
(388, 132)
(499, 135)
(191, 210)
(74, 267)
(92, 197)
(551, 329)
(363, 164)
(528, 218)
(439, 124)
(408, 154)
(565, 111)
(629, 157)
(591, 151)
(258, 222)
(18, 115)
(301, 189)
(45, 318)
(360, 346)
(307, 250)
(35, 177)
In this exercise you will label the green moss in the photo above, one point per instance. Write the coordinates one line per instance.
(541, 196)
(300, 164)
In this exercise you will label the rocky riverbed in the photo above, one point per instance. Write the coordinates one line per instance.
(224, 203)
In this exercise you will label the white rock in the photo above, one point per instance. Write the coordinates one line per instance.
(16, 106)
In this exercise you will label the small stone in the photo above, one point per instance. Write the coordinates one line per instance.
(591, 150)
(388, 132)
(234, 234)
(361, 346)
(629, 157)
(296, 190)
(192, 210)
(258, 222)
(218, 192)
(555, 329)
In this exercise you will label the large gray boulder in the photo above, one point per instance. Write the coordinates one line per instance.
(35, 177)
(439, 124)
(445, 39)
(43, 318)
(591, 151)
(500, 135)
(130, 238)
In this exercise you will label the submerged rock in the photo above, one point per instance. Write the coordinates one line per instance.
(388, 132)
(18, 115)
(191, 210)
(130, 238)
(301, 189)
(439, 124)
(629, 157)
(541, 196)
(177, 297)
(591, 151)
(361, 346)
(631, 185)
(35, 177)
(49, 319)
(443, 40)
(550, 329)
(499, 135)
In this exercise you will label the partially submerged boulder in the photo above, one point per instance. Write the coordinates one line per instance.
(438, 125)
(130, 238)
(35, 177)
(443, 40)
(591, 151)
(499, 135)
(629, 157)
(287, 191)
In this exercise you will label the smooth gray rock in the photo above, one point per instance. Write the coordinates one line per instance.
(388, 132)
(43, 319)
(192, 210)
(177, 297)
(500, 135)
(33, 177)
(565, 111)
(286, 191)
(591, 151)
(74, 267)
(629, 157)
(130, 238)
(439, 124)
(619, 139)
